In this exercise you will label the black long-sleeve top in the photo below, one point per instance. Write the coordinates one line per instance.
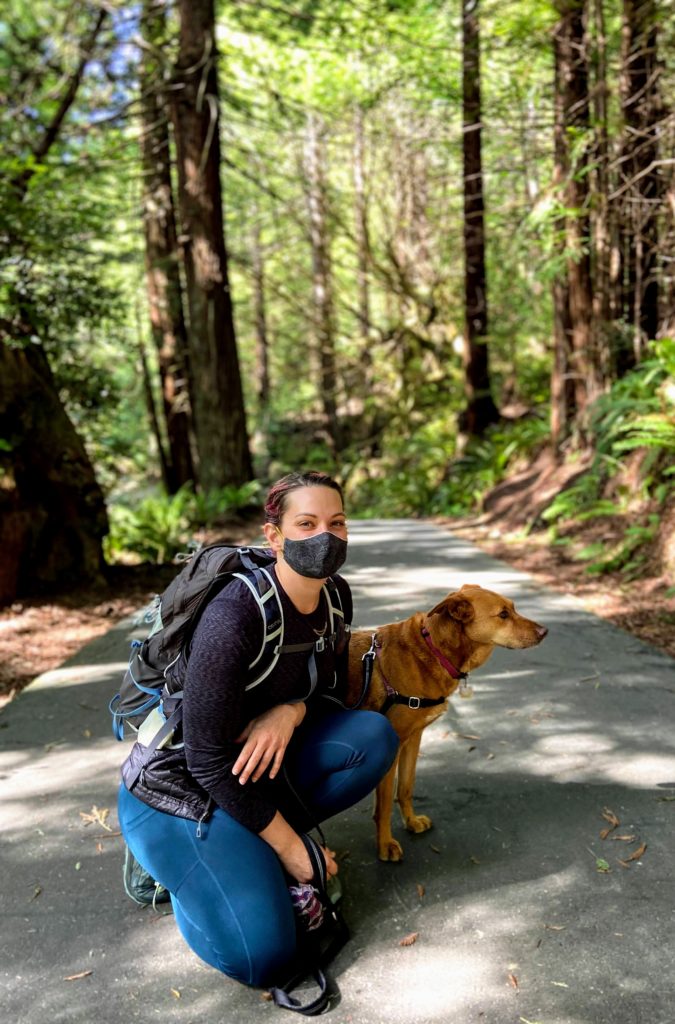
(217, 706)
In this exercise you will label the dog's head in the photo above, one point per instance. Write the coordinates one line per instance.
(488, 618)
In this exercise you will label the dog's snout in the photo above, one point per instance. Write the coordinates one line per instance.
(542, 631)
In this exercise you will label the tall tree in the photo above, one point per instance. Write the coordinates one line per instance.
(165, 299)
(52, 511)
(322, 279)
(361, 225)
(218, 403)
(641, 185)
(572, 78)
(260, 312)
(562, 385)
(480, 410)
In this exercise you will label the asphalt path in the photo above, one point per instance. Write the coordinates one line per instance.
(523, 912)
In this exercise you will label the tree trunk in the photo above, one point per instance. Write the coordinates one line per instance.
(165, 299)
(573, 77)
(218, 404)
(600, 225)
(322, 284)
(641, 185)
(480, 409)
(151, 407)
(260, 314)
(562, 387)
(52, 510)
(361, 225)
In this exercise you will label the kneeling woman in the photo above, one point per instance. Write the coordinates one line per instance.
(260, 765)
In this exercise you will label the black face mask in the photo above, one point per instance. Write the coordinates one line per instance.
(316, 557)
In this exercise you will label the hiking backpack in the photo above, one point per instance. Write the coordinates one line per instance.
(147, 682)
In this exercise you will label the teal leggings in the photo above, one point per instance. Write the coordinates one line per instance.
(228, 889)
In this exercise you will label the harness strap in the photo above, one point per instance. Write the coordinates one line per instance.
(394, 697)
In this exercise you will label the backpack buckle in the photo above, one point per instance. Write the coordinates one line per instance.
(414, 703)
(320, 644)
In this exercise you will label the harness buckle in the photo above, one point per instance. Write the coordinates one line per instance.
(414, 703)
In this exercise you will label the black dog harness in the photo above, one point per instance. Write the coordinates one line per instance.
(393, 696)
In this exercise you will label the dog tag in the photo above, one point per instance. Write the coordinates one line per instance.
(465, 690)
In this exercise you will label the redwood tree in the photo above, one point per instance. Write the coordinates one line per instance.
(641, 183)
(218, 404)
(165, 300)
(480, 409)
(322, 281)
(52, 511)
(572, 82)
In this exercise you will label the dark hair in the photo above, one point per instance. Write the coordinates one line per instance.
(277, 497)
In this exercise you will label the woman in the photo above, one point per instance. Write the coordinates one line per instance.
(270, 760)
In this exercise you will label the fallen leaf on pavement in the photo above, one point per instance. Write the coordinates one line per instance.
(98, 816)
(625, 839)
(420, 890)
(36, 892)
(602, 866)
(636, 854)
(409, 940)
(76, 977)
(513, 982)
(611, 817)
(434, 848)
(555, 927)
(467, 736)
(175, 993)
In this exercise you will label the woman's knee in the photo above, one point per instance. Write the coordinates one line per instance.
(379, 738)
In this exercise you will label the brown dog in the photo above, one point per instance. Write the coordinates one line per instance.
(422, 661)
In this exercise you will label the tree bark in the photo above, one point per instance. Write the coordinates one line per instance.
(480, 409)
(361, 226)
(260, 314)
(573, 77)
(601, 228)
(52, 510)
(162, 255)
(322, 283)
(218, 404)
(641, 184)
(562, 387)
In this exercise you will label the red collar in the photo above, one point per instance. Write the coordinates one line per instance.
(441, 658)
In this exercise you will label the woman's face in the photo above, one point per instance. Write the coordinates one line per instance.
(309, 511)
(312, 510)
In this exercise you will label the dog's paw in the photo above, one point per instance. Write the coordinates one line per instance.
(418, 823)
(390, 850)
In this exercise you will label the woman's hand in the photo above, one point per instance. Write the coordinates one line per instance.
(265, 740)
(291, 851)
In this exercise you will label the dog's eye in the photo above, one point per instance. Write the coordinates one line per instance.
(503, 614)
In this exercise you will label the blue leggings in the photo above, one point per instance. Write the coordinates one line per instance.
(228, 889)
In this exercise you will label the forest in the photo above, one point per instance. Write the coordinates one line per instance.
(425, 245)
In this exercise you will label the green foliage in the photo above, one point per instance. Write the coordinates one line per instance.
(636, 414)
(419, 475)
(159, 527)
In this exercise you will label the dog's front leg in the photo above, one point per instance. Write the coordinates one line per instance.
(406, 783)
(387, 847)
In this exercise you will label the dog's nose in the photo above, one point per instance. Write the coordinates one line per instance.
(541, 632)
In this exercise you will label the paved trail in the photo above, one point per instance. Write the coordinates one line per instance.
(515, 923)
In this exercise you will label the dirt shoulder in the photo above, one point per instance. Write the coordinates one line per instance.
(39, 634)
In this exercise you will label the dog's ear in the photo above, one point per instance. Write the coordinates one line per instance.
(455, 607)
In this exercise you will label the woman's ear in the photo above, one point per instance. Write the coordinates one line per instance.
(273, 537)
